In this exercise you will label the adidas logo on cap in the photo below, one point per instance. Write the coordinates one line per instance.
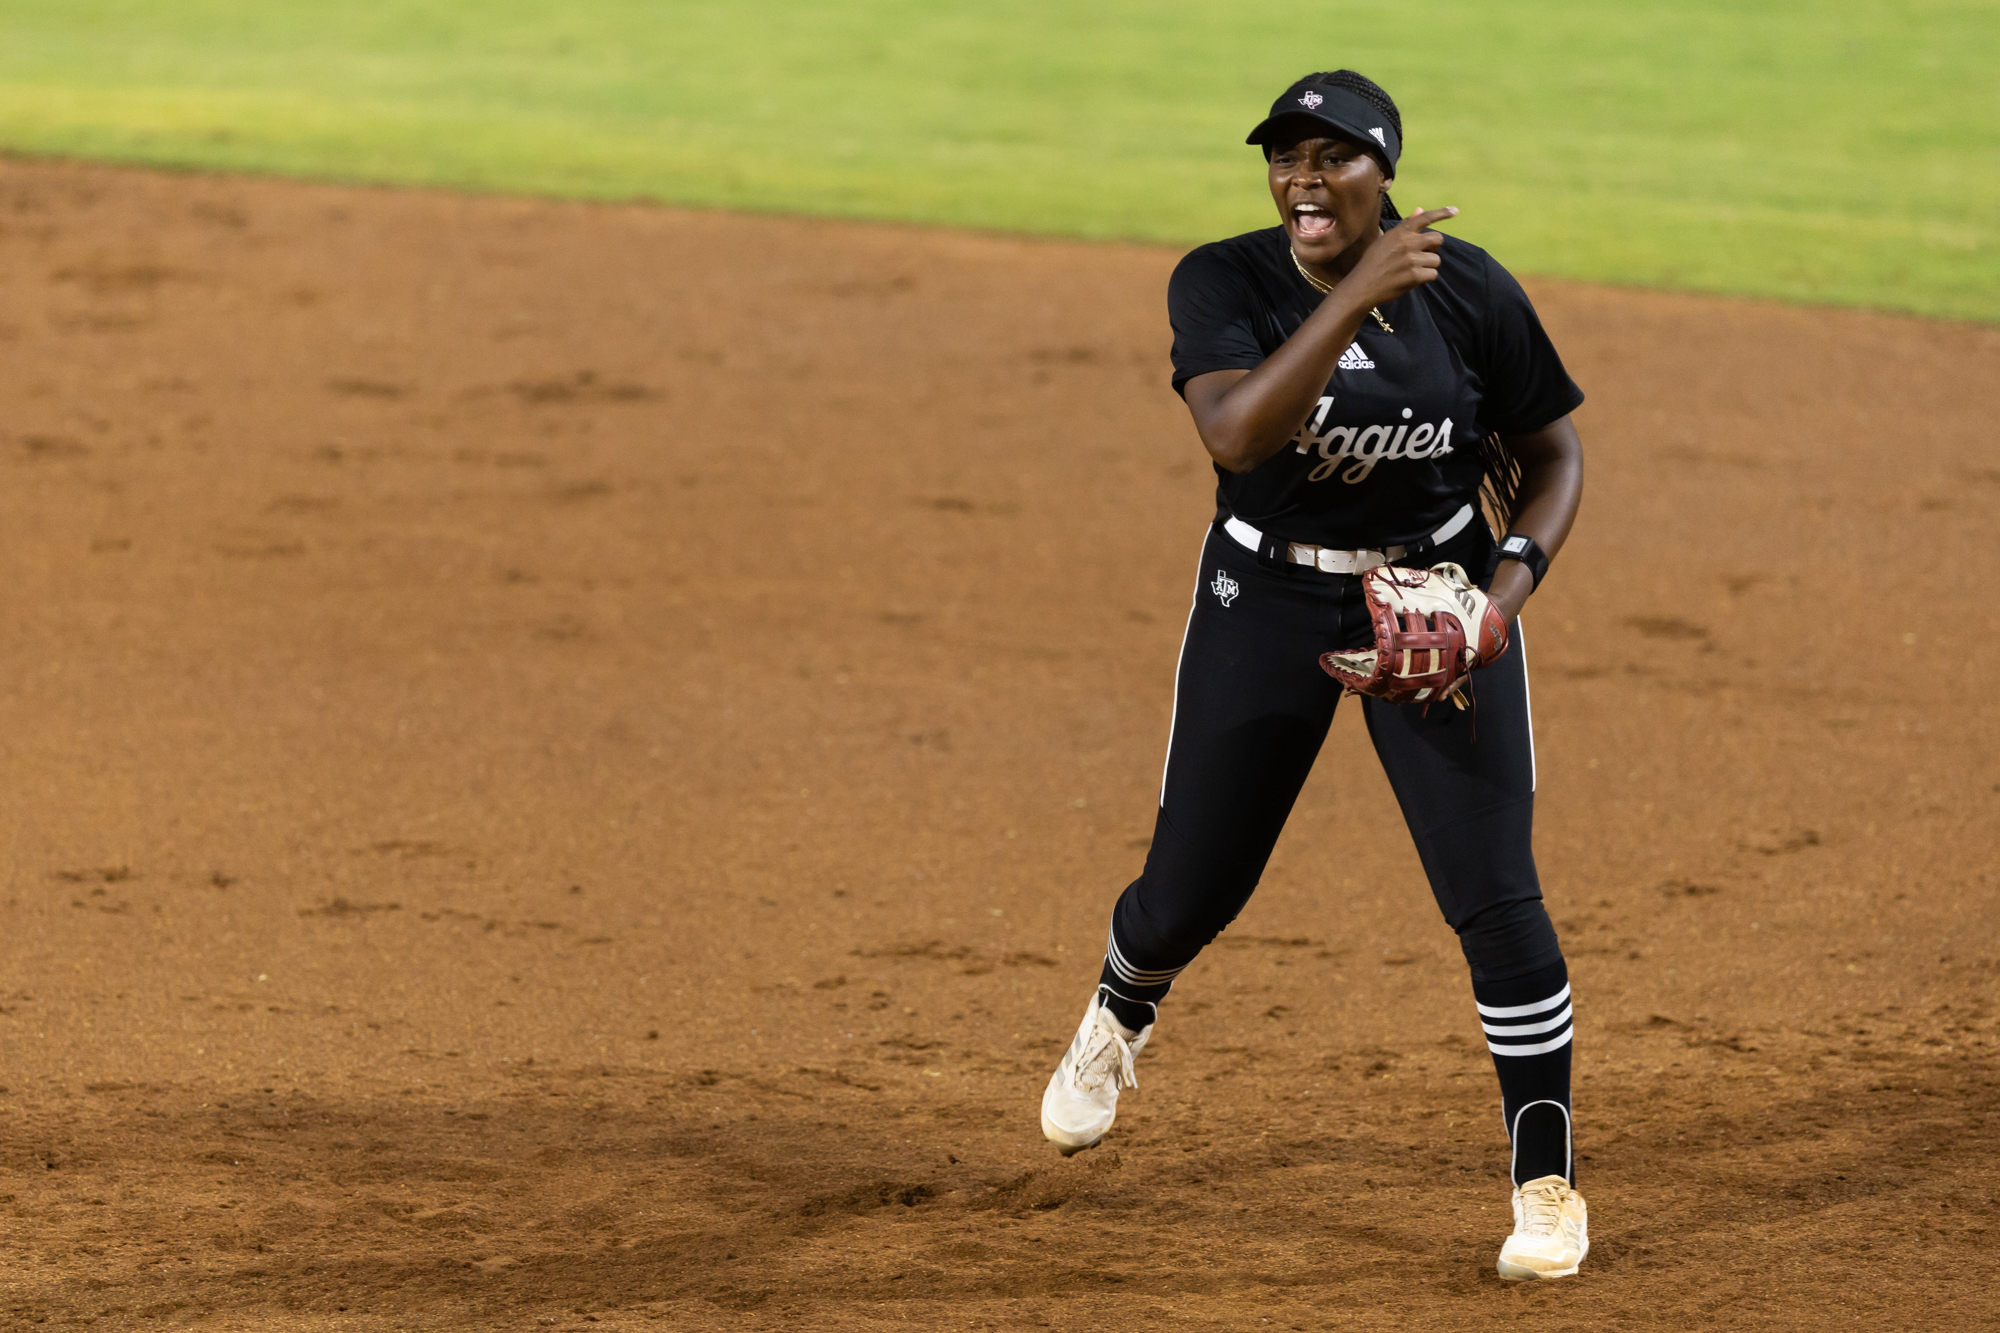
(1378, 137)
(1354, 359)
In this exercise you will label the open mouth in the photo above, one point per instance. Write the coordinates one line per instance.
(1310, 222)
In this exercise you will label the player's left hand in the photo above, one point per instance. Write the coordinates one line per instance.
(1432, 626)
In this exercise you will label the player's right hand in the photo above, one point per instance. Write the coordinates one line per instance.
(1406, 256)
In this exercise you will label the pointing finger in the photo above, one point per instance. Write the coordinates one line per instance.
(1425, 217)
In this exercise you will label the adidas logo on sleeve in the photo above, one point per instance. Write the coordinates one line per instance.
(1354, 359)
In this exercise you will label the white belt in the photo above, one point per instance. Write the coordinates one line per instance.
(1330, 561)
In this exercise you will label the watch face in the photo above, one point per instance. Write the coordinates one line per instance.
(1514, 545)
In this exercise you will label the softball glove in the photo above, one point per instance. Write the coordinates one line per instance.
(1432, 626)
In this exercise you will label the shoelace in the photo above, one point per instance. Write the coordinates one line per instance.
(1541, 1210)
(1107, 1057)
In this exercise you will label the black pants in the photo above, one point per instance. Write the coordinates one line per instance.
(1251, 709)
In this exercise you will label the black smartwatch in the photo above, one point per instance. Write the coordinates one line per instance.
(1519, 546)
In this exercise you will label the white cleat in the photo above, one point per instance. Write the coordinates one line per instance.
(1551, 1232)
(1082, 1096)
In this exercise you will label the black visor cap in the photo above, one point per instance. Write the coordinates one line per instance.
(1307, 105)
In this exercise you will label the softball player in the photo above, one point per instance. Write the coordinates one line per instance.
(1357, 379)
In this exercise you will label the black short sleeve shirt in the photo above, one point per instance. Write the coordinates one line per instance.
(1387, 455)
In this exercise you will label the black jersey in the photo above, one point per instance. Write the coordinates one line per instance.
(1388, 454)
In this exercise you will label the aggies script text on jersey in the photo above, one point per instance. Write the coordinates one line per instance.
(1385, 456)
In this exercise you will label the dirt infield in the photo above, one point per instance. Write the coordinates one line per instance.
(567, 765)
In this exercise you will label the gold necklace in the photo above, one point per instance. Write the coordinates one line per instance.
(1326, 288)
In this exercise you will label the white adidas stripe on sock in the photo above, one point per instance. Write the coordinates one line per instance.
(1522, 1010)
(1131, 975)
(1554, 1015)
(1527, 1029)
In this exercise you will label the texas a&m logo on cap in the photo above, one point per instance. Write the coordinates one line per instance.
(1311, 100)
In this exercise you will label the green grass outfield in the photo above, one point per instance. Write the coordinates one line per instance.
(1817, 150)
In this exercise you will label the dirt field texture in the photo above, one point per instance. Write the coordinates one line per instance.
(568, 765)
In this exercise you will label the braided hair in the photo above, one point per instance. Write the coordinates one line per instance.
(1500, 488)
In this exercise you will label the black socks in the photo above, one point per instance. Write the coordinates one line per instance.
(1133, 996)
(1527, 1022)
(1527, 1025)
